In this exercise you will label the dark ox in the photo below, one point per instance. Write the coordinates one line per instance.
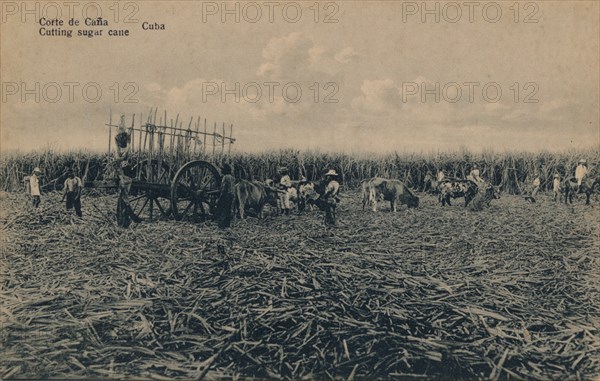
(394, 191)
(484, 197)
(456, 188)
(589, 185)
(253, 195)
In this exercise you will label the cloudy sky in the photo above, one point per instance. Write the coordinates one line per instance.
(367, 82)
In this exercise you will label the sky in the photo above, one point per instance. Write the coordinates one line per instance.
(350, 76)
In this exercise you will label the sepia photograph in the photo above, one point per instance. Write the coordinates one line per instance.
(300, 190)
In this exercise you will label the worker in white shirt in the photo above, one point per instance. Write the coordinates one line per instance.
(440, 175)
(34, 187)
(475, 175)
(285, 183)
(72, 192)
(580, 173)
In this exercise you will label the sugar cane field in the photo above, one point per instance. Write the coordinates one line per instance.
(511, 291)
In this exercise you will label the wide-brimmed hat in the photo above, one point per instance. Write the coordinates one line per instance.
(37, 169)
(582, 161)
(556, 175)
(331, 172)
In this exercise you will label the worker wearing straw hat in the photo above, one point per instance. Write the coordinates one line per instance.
(556, 186)
(580, 173)
(34, 187)
(72, 192)
(329, 198)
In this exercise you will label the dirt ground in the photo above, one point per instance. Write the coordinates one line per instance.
(509, 292)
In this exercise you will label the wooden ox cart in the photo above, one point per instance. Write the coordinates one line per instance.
(170, 167)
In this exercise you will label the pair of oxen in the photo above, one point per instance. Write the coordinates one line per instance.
(396, 192)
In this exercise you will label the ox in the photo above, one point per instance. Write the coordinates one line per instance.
(368, 190)
(298, 193)
(456, 188)
(589, 185)
(394, 191)
(253, 195)
(484, 197)
(305, 192)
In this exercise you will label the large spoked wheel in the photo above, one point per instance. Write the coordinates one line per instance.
(195, 191)
(150, 199)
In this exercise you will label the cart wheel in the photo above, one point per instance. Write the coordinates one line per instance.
(150, 203)
(194, 191)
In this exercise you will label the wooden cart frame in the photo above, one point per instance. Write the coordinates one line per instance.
(171, 169)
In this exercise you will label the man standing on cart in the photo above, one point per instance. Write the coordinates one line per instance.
(122, 140)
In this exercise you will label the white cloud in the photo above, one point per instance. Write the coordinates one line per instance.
(378, 96)
(299, 58)
(346, 55)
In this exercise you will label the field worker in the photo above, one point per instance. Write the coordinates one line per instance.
(556, 186)
(440, 175)
(329, 198)
(580, 173)
(124, 172)
(225, 210)
(34, 187)
(474, 175)
(285, 183)
(535, 186)
(72, 192)
(427, 180)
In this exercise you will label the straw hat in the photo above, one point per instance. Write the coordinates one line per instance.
(556, 175)
(331, 172)
(37, 170)
(582, 161)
